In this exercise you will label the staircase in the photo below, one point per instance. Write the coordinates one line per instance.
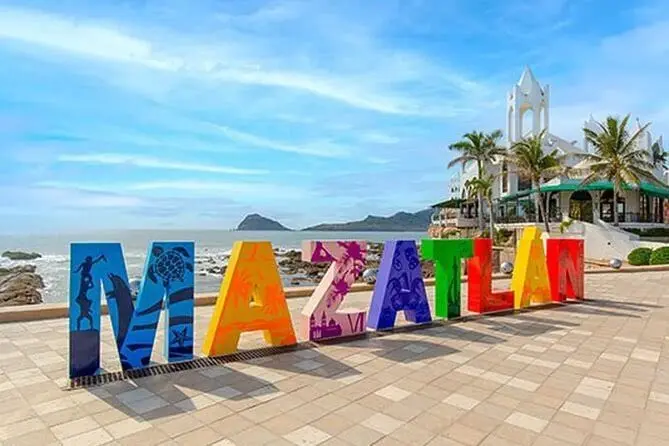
(603, 241)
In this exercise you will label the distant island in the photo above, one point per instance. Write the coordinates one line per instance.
(399, 222)
(256, 222)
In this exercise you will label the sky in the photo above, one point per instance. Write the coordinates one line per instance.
(129, 114)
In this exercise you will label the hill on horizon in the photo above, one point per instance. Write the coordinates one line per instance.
(398, 222)
(256, 222)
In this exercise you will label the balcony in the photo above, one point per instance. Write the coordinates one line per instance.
(527, 218)
(454, 220)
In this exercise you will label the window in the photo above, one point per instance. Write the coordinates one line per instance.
(644, 208)
(524, 183)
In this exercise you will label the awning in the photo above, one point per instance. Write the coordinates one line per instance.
(571, 185)
(453, 203)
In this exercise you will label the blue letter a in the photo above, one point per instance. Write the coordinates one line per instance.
(399, 287)
(168, 272)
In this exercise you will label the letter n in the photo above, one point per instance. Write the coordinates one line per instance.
(480, 297)
(447, 256)
(530, 275)
(168, 273)
(251, 299)
(399, 287)
(566, 268)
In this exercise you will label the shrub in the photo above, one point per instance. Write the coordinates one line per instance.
(564, 225)
(502, 236)
(639, 256)
(660, 256)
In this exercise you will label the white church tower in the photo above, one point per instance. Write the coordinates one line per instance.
(590, 124)
(527, 95)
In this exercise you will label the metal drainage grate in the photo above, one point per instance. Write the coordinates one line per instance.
(199, 363)
(193, 364)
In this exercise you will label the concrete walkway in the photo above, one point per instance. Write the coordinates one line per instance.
(589, 374)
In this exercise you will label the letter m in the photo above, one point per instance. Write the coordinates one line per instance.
(167, 282)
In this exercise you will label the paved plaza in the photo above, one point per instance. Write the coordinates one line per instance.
(584, 374)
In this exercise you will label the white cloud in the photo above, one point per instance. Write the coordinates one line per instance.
(75, 37)
(374, 82)
(324, 148)
(148, 190)
(63, 195)
(153, 163)
(208, 188)
(375, 160)
(379, 138)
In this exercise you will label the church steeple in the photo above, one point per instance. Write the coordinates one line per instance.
(528, 83)
(527, 95)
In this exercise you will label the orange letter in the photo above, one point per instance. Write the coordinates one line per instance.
(251, 299)
(530, 277)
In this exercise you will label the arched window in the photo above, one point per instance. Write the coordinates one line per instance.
(505, 178)
(606, 206)
(526, 122)
(580, 206)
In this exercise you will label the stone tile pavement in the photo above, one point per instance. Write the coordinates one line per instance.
(589, 374)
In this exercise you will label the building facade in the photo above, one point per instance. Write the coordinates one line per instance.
(527, 114)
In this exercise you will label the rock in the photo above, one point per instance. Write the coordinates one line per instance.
(19, 255)
(20, 285)
(428, 269)
(256, 222)
(290, 263)
(216, 270)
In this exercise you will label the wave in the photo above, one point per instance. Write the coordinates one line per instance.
(54, 268)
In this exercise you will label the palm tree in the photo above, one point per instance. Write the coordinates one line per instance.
(483, 187)
(480, 148)
(617, 157)
(529, 160)
(660, 157)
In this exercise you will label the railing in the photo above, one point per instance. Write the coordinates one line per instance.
(527, 218)
(635, 217)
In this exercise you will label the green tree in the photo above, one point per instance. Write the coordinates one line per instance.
(480, 148)
(482, 187)
(617, 157)
(528, 159)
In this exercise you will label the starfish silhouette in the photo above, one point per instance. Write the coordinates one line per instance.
(180, 338)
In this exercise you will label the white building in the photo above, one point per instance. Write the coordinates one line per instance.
(644, 205)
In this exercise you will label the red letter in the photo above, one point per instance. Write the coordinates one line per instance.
(564, 258)
(480, 297)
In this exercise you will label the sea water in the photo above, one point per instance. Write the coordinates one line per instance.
(212, 248)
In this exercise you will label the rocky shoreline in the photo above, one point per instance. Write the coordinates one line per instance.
(297, 272)
(20, 285)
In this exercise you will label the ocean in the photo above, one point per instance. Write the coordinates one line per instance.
(212, 248)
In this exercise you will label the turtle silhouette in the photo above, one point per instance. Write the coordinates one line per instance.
(169, 265)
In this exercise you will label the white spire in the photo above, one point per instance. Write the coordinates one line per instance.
(528, 83)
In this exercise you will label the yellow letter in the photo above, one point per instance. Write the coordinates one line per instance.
(251, 299)
(530, 276)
